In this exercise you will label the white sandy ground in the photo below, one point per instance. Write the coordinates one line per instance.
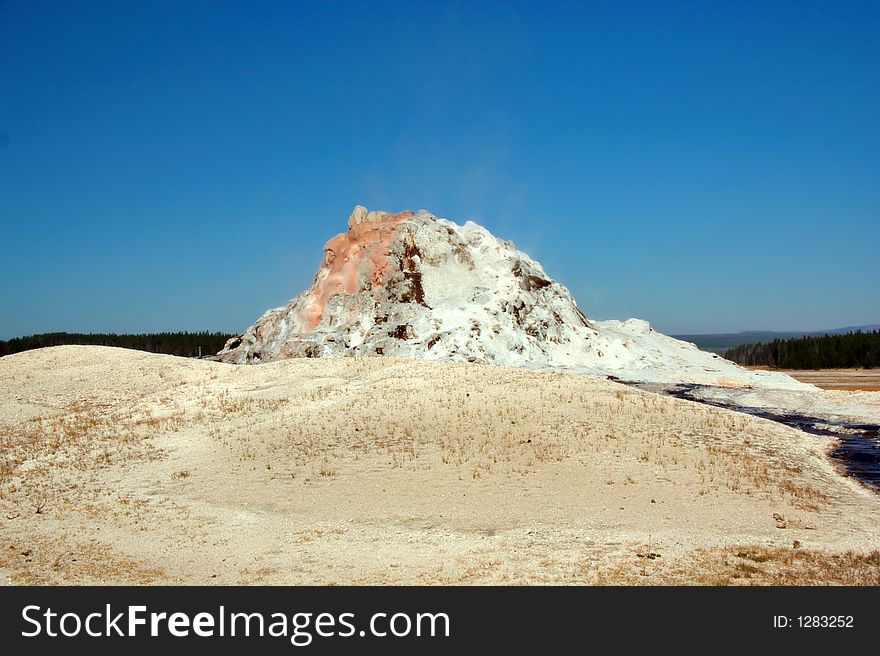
(127, 467)
(836, 405)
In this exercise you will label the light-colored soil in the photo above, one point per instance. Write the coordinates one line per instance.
(867, 380)
(126, 467)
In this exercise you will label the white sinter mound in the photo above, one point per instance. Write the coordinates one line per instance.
(413, 285)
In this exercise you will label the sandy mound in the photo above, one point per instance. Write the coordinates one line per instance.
(120, 466)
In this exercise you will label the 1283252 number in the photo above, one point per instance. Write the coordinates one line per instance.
(825, 621)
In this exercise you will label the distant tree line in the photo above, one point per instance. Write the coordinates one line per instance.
(858, 349)
(184, 344)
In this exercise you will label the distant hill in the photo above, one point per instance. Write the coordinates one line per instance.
(185, 344)
(721, 342)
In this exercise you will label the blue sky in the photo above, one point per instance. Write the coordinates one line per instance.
(707, 166)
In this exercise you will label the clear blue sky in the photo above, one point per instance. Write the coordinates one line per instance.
(707, 166)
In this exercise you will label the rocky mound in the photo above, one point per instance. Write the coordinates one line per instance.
(413, 285)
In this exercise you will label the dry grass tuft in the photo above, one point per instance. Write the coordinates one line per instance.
(738, 565)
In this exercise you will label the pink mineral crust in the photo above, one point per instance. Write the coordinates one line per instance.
(363, 250)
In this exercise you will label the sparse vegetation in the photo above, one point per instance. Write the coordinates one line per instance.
(286, 458)
(763, 565)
